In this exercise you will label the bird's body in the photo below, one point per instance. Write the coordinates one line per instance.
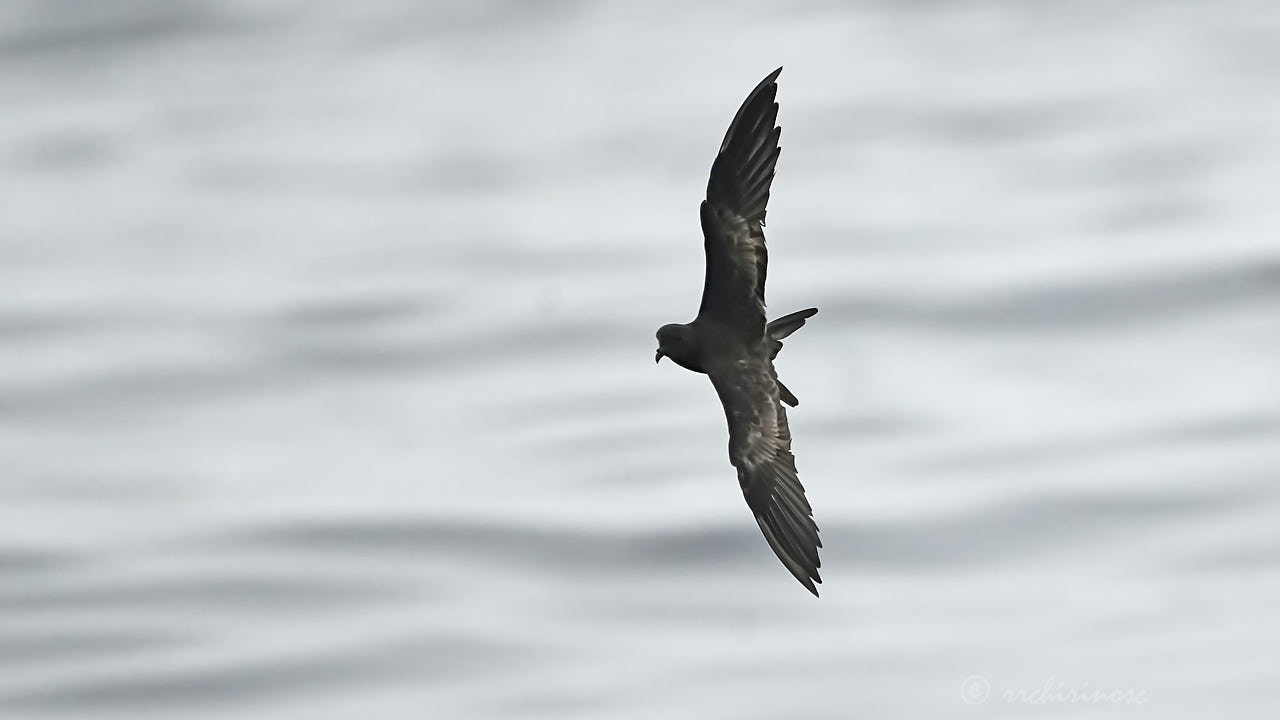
(731, 343)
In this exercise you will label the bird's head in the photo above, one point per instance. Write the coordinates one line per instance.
(676, 342)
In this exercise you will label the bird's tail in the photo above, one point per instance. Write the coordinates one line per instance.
(779, 329)
(787, 324)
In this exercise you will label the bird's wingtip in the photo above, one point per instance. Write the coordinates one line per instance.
(810, 585)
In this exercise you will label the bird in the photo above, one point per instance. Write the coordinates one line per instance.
(731, 343)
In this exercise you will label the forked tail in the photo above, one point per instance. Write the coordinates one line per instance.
(779, 329)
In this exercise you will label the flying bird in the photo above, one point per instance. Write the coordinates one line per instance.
(731, 343)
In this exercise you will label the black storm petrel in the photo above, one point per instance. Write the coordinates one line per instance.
(730, 342)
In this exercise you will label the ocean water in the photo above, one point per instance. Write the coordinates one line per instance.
(327, 390)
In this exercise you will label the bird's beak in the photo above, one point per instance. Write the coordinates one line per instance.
(658, 358)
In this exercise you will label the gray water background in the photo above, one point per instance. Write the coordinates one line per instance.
(327, 384)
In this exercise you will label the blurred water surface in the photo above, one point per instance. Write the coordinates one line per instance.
(326, 379)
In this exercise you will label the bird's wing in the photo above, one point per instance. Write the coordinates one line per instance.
(760, 448)
(733, 214)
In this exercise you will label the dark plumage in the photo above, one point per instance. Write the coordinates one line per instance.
(730, 342)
